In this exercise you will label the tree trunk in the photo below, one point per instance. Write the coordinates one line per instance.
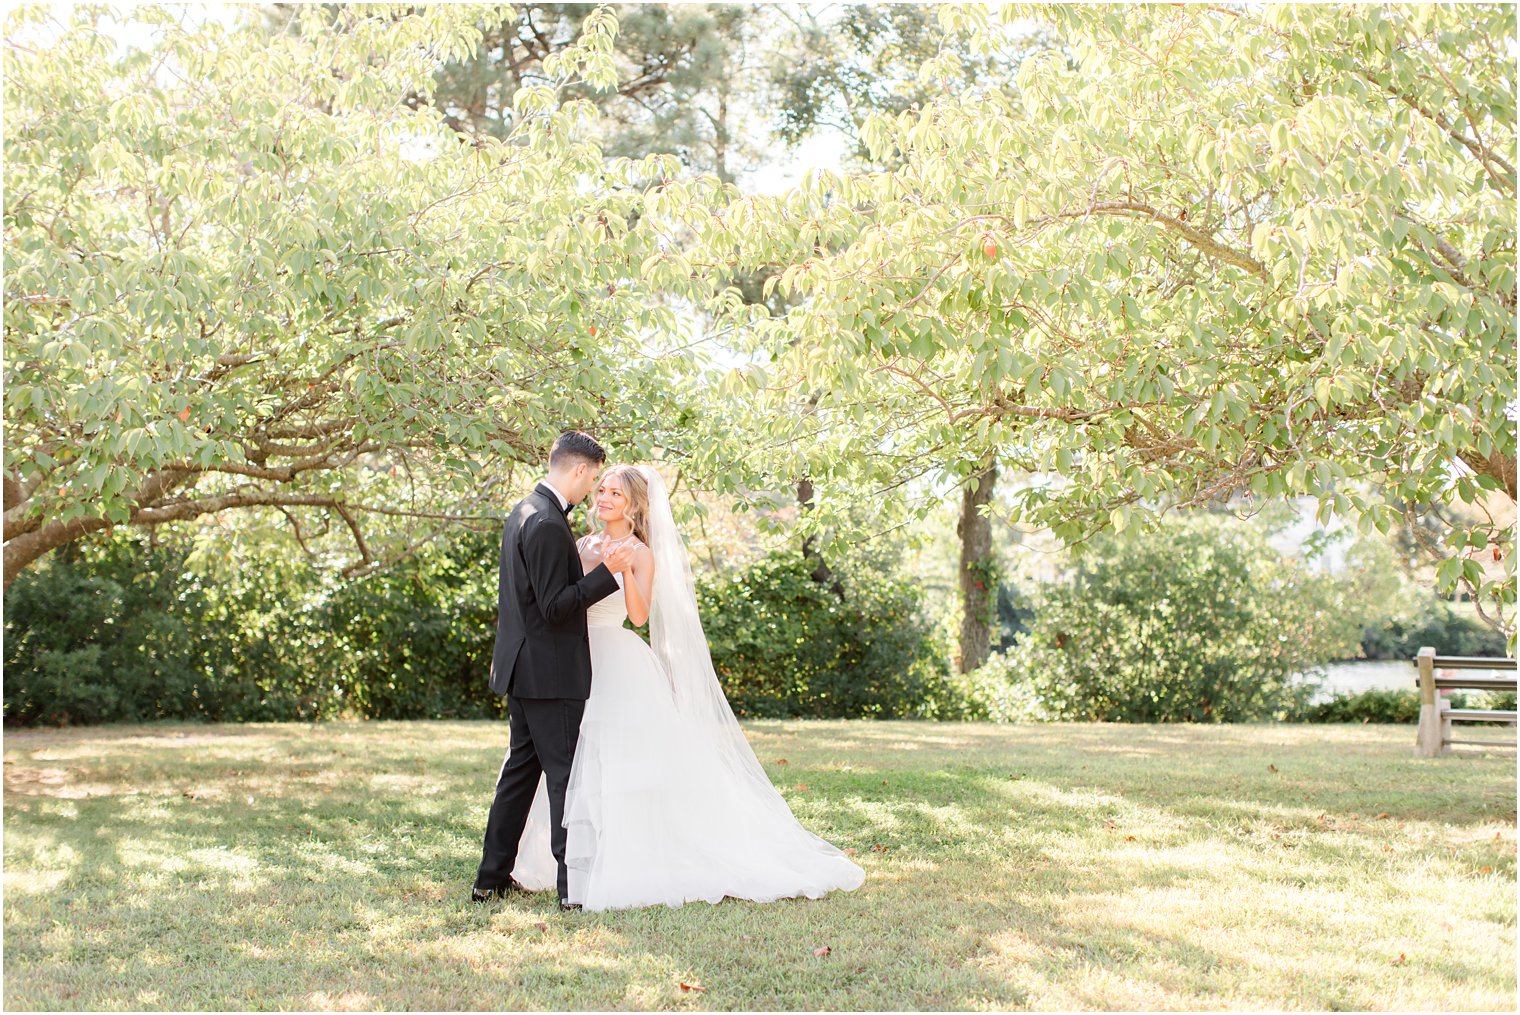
(720, 138)
(821, 572)
(978, 581)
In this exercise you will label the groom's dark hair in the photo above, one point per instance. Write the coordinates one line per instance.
(573, 447)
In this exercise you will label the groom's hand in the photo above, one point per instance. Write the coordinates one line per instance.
(620, 559)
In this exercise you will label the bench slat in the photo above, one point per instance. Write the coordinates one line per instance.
(1472, 663)
(1483, 743)
(1479, 714)
(1473, 683)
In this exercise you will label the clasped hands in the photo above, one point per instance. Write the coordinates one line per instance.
(620, 557)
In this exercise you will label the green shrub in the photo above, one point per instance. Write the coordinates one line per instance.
(102, 640)
(261, 641)
(1376, 705)
(1197, 621)
(1434, 622)
(1498, 700)
(996, 692)
(124, 632)
(121, 631)
(1379, 705)
(785, 645)
(415, 642)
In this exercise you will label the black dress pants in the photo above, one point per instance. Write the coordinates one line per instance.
(544, 732)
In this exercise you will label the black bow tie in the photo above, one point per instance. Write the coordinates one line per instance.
(569, 507)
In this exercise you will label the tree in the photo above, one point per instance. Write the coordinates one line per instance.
(685, 78)
(1208, 253)
(1198, 621)
(242, 274)
(834, 73)
(835, 69)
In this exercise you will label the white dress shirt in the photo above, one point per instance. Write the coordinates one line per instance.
(564, 502)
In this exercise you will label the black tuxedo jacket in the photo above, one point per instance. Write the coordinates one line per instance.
(542, 649)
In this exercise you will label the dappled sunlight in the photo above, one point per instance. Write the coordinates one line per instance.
(225, 861)
(34, 850)
(948, 820)
(891, 735)
(31, 882)
(56, 784)
(255, 950)
(348, 1000)
(1080, 797)
(1006, 867)
(1162, 938)
(395, 782)
(1156, 930)
(157, 858)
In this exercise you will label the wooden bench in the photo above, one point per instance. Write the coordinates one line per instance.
(1436, 716)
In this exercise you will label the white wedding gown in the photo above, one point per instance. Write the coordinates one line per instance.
(653, 814)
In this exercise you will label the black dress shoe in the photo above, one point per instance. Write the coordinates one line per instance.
(512, 887)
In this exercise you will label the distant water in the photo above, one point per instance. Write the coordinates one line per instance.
(1367, 674)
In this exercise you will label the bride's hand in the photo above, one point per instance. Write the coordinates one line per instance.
(620, 555)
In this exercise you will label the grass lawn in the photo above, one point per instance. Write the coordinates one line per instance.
(1050, 866)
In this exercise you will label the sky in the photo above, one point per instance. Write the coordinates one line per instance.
(785, 169)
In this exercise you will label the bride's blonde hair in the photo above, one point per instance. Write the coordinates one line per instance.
(636, 493)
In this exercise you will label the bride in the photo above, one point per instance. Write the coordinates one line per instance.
(666, 802)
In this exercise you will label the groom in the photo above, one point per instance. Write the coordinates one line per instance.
(542, 660)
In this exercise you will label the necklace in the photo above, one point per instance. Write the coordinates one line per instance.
(609, 541)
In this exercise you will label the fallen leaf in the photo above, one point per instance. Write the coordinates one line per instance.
(850, 851)
(781, 761)
(879, 848)
(800, 787)
(1271, 767)
(694, 986)
(1129, 838)
(1496, 834)
(541, 925)
(1485, 870)
(1400, 960)
(823, 952)
(1383, 814)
